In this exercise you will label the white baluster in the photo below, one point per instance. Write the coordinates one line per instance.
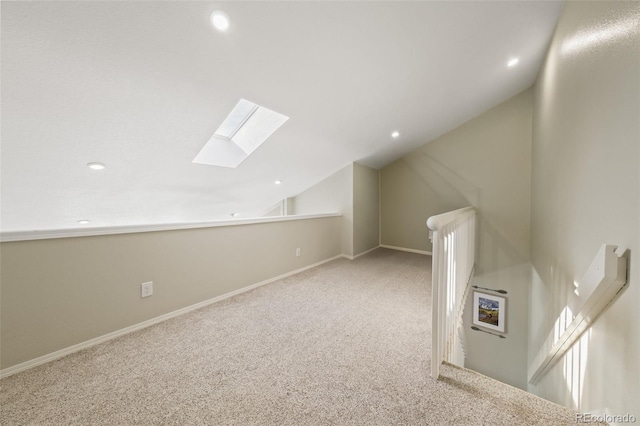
(453, 237)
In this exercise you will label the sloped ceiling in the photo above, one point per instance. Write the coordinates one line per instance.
(142, 86)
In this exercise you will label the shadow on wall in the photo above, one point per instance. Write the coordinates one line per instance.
(574, 368)
(452, 190)
(501, 256)
(569, 375)
(575, 360)
(553, 297)
(494, 250)
(573, 365)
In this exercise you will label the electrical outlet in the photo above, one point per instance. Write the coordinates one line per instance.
(146, 289)
(298, 252)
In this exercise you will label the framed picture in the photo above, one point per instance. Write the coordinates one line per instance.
(489, 311)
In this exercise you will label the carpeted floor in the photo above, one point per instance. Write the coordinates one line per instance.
(346, 343)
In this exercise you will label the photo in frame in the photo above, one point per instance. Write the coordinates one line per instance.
(489, 311)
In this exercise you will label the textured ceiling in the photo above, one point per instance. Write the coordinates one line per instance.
(142, 86)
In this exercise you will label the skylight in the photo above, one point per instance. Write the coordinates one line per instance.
(242, 132)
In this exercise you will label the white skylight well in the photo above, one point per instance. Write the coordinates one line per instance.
(242, 132)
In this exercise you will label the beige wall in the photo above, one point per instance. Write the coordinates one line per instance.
(354, 192)
(332, 195)
(405, 206)
(485, 163)
(60, 292)
(366, 208)
(586, 152)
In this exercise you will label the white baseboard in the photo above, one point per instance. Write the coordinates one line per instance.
(361, 254)
(84, 345)
(428, 253)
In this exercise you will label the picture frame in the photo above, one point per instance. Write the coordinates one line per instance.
(489, 311)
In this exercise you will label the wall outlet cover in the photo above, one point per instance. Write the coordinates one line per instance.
(146, 289)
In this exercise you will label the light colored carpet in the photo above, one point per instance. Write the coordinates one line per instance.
(346, 343)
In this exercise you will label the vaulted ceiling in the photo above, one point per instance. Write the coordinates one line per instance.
(142, 86)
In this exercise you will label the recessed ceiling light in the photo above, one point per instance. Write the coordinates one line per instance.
(220, 20)
(395, 134)
(84, 221)
(513, 62)
(96, 166)
(278, 182)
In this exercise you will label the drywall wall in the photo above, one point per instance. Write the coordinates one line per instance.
(586, 192)
(61, 292)
(354, 192)
(405, 206)
(288, 205)
(275, 210)
(331, 195)
(366, 208)
(485, 163)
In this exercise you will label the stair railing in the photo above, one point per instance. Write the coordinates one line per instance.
(453, 238)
